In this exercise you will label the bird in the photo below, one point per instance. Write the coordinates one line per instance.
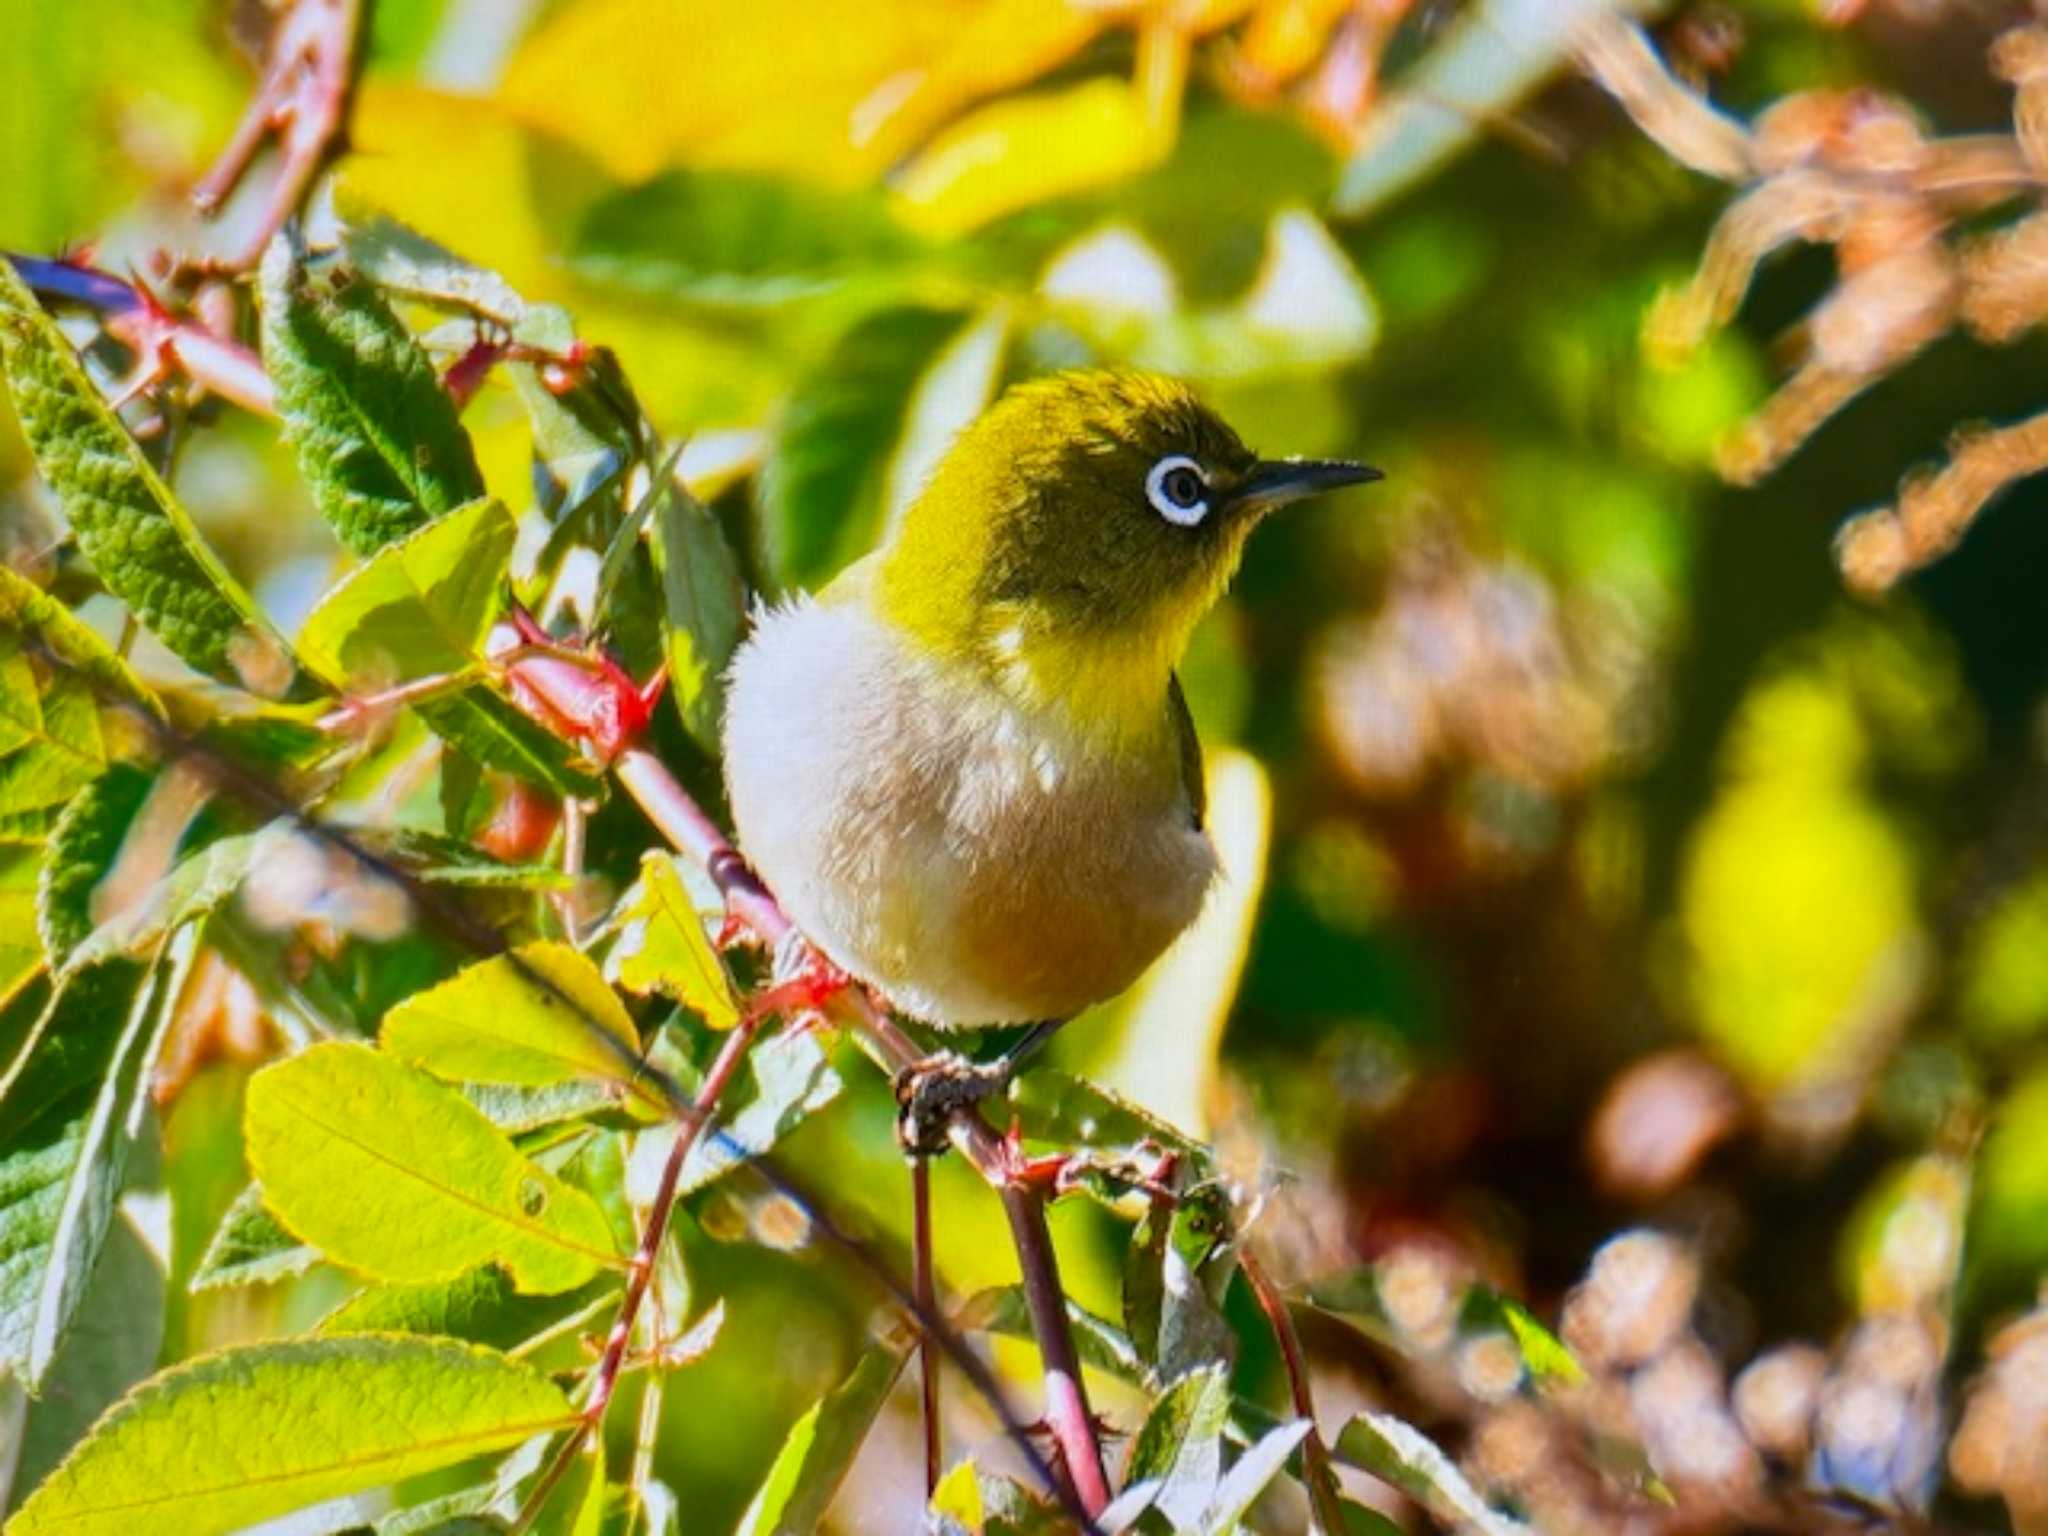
(965, 765)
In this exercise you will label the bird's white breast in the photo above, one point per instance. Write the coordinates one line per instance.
(975, 862)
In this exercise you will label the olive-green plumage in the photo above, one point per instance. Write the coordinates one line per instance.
(965, 766)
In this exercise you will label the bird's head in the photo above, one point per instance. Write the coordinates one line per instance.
(1071, 538)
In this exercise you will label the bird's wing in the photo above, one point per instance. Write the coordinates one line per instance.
(1190, 751)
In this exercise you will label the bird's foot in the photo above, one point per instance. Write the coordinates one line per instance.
(931, 1092)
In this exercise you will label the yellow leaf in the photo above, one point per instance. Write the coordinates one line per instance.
(1024, 150)
(663, 947)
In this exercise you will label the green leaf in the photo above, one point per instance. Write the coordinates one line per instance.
(490, 730)
(417, 607)
(112, 1346)
(403, 261)
(821, 488)
(734, 238)
(1250, 1475)
(793, 1079)
(1543, 1353)
(377, 436)
(1056, 1106)
(388, 1172)
(703, 604)
(69, 1108)
(264, 1429)
(539, 1015)
(83, 847)
(68, 704)
(21, 953)
(250, 1248)
(1181, 1446)
(1401, 1454)
(140, 541)
(662, 945)
(480, 1306)
(816, 1456)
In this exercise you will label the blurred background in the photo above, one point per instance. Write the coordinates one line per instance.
(1620, 911)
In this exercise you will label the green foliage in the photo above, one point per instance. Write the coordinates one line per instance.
(142, 543)
(378, 438)
(390, 1173)
(662, 945)
(70, 1108)
(820, 1449)
(65, 700)
(337, 1415)
(821, 490)
(420, 605)
(250, 1248)
(533, 1018)
(728, 238)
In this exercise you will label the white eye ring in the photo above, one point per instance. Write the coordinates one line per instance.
(1167, 488)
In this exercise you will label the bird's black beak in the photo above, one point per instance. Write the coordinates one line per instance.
(1276, 482)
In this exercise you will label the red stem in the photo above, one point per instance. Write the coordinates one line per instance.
(642, 1272)
(1315, 1456)
(925, 1284)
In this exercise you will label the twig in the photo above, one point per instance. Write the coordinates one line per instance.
(642, 1273)
(1315, 1456)
(923, 1281)
(162, 341)
(678, 817)
(303, 100)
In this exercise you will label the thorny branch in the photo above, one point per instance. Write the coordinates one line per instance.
(302, 99)
(1854, 170)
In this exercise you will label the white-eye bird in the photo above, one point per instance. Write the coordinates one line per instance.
(965, 766)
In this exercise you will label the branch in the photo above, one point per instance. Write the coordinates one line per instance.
(642, 1274)
(1877, 549)
(1315, 1456)
(164, 343)
(303, 100)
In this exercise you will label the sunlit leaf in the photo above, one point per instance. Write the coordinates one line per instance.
(418, 607)
(257, 1431)
(1024, 150)
(68, 704)
(819, 1451)
(1100, 1342)
(540, 1015)
(388, 1172)
(662, 945)
(141, 542)
(377, 435)
(1054, 1106)
(21, 955)
(250, 1248)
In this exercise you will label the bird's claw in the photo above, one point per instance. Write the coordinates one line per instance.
(929, 1093)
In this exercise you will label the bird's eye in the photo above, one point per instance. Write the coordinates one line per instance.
(1177, 491)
